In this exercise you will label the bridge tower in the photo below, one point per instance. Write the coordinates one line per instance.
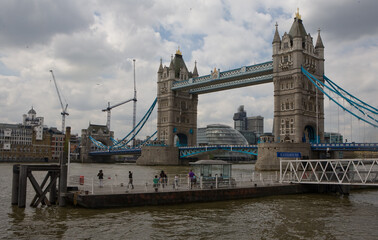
(177, 110)
(298, 106)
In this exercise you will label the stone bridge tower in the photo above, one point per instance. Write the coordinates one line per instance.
(177, 110)
(298, 105)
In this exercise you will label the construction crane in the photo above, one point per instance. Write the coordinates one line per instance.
(64, 109)
(109, 108)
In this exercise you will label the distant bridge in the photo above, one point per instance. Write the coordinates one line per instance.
(247, 149)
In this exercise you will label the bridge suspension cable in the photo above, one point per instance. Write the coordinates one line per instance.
(363, 110)
(122, 143)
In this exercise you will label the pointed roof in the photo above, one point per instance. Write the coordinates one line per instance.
(171, 65)
(297, 29)
(178, 64)
(276, 35)
(161, 66)
(319, 42)
(195, 72)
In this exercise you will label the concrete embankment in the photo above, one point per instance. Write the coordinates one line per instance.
(179, 197)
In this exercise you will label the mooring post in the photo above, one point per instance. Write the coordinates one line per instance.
(63, 170)
(53, 190)
(15, 183)
(22, 186)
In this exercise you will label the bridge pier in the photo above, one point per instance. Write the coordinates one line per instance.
(156, 155)
(267, 159)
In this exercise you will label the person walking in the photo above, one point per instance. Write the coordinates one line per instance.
(130, 180)
(100, 176)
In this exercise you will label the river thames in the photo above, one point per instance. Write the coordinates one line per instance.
(306, 216)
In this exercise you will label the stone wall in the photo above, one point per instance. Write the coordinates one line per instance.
(156, 155)
(267, 154)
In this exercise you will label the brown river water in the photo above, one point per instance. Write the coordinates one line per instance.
(306, 216)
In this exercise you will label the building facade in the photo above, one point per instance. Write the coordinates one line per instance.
(99, 132)
(250, 127)
(30, 141)
(298, 106)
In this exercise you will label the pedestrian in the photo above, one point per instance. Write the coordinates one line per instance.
(176, 183)
(156, 183)
(130, 180)
(162, 178)
(191, 176)
(100, 176)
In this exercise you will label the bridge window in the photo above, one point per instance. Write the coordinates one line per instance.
(286, 59)
(287, 105)
(291, 105)
(283, 107)
(286, 45)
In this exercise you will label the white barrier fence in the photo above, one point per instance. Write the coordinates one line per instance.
(330, 171)
(113, 184)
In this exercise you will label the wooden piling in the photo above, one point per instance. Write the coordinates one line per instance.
(53, 190)
(15, 182)
(22, 186)
(63, 170)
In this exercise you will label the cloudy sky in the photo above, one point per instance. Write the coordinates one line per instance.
(90, 46)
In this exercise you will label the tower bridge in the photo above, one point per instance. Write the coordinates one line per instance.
(297, 73)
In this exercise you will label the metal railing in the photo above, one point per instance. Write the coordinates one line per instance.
(113, 184)
(330, 171)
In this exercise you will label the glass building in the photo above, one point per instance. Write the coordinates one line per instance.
(218, 134)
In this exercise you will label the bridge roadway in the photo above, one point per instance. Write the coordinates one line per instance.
(248, 149)
(235, 78)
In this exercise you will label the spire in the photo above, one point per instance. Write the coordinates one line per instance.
(195, 72)
(276, 35)
(297, 15)
(319, 42)
(178, 52)
(171, 65)
(161, 66)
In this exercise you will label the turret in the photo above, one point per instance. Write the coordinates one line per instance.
(195, 72)
(160, 71)
(276, 41)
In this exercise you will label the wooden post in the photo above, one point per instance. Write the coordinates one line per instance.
(15, 183)
(63, 170)
(53, 190)
(22, 186)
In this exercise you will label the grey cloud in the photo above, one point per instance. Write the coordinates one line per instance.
(27, 22)
(347, 20)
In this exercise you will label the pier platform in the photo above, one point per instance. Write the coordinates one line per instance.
(112, 198)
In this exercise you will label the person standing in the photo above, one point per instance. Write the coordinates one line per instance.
(100, 176)
(130, 180)
(162, 178)
(156, 183)
(176, 183)
(191, 176)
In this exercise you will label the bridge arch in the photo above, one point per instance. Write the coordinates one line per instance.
(181, 140)
(309, 134)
